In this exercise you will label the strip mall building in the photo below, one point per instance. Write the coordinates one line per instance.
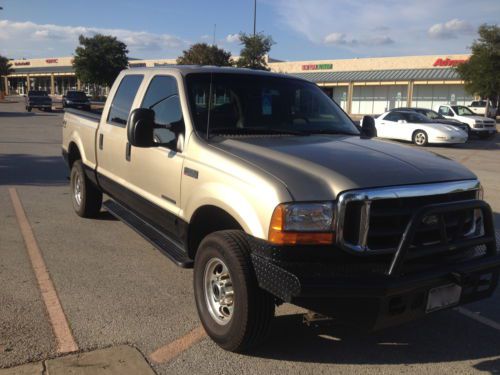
(359, 86)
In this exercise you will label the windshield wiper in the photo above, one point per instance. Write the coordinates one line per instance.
(232, 130)
(329, 131)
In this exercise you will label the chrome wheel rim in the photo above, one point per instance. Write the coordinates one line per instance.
(77, 190)
(219, 293)
(420, 138)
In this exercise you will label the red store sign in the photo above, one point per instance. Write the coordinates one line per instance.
(22, 63)
(51, 61)
(448, 62)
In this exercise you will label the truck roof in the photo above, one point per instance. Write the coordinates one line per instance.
(187, 69)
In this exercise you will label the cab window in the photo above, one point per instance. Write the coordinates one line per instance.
(162, 96)
(124, 97)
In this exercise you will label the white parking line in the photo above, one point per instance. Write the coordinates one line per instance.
(479, 318)
(65, 341)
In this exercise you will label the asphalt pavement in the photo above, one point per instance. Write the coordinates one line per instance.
(116, 290)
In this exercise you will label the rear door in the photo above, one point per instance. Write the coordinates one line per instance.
(112, 138)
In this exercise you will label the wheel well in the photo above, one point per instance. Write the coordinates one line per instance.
(73, 154)
(206, 220)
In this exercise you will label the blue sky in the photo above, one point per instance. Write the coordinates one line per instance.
(302, 29)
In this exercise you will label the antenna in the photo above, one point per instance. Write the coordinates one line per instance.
(215, 28)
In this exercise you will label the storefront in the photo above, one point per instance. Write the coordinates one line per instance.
(359, 86)
(375, 85)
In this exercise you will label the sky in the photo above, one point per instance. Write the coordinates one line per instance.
(301, 29)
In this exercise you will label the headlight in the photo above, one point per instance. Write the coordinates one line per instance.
(302, 223)
(480, 193)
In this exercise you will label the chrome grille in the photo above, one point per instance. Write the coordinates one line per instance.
(374, 220)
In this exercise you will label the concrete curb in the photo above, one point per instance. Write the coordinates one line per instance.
(118, 360)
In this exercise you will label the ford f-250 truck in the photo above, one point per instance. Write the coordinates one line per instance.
(264, 185)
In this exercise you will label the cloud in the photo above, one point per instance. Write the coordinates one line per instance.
(450, 29)
(24, 39)
(233, 38)
(342, 40)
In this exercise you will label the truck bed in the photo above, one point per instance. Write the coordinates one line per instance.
(80, 127)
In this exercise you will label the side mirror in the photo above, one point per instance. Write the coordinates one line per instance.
(140, 129)
(368, 129)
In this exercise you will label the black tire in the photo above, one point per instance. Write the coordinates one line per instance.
(90, 201)
(28, 109)
(253, 311)
(420, 138)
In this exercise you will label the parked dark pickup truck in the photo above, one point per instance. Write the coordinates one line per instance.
(76, 99)
(265, 187)
(38, 99)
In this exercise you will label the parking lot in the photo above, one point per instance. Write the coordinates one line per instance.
(116, 289)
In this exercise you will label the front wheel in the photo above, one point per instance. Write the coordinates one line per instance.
(420, 138)
(234, 311)
(87, 198)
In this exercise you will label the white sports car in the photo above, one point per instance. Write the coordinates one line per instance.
(417, 128)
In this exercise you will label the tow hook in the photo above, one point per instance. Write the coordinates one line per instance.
(312, 317)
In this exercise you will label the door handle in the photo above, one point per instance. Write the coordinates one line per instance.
(128, 150)
(101, 141)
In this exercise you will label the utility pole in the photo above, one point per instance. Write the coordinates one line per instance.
(254, 16)
(215, 28)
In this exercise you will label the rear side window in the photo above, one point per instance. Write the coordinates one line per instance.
(393, 116)
(124, 97)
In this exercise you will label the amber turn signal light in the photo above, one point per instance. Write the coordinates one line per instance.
(278, 236)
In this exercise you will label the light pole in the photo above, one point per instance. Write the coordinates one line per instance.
(254, 16)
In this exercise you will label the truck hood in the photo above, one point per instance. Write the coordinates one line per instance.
(319, 167)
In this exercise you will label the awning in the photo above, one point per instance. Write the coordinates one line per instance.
(435, 74)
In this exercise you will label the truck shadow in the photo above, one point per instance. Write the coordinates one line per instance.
(17, 114)
(445, 337)
(35, 170)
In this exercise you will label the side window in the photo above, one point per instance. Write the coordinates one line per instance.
(124, 97)
(393, 116)
(444, 111)
(162, 97)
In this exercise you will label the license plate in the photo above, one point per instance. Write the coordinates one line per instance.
(443, 297)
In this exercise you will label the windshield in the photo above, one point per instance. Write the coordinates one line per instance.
(432, 115)
(415, 118)
(37, 93)
(76, 95)
(247, 103)
(462, 111)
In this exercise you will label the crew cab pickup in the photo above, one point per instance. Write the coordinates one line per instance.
(266, 188)
(479, 108)
(479, 125)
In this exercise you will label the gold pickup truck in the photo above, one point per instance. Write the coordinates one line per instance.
(264, 186)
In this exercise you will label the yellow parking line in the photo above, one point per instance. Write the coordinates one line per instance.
(175, 348)
(65, 341)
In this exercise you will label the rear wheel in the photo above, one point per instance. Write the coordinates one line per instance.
(28, 108)
(234, 311)
(87, 198)
(420, 138)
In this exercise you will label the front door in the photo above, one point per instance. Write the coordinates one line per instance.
(155, 173)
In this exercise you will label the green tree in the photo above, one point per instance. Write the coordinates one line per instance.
(204, 54)
(254, 51)
(481, 72)
(5, 70)
(99, 59)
